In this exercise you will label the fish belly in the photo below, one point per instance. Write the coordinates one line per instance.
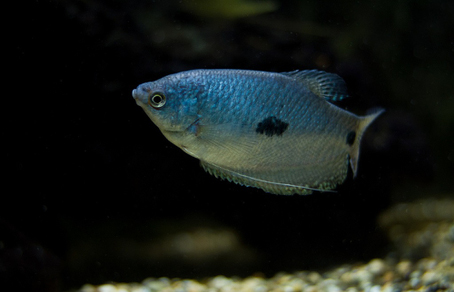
(280, 165)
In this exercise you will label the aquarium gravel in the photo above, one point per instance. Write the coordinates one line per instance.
(427, 274)
(401, 270)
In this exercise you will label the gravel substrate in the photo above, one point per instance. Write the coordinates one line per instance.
(430, 237)
(377, 275)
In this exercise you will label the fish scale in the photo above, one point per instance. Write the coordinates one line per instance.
(274, 131)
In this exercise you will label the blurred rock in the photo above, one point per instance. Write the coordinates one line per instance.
(167, 248)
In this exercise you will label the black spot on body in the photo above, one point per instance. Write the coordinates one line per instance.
(271, 126)
(351, 138)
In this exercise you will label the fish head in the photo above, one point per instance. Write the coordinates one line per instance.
(171, 103)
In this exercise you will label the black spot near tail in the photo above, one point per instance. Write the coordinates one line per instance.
(351, 138)
(271, 126)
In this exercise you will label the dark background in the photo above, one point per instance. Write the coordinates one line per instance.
(90, 183)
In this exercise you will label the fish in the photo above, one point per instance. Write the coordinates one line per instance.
(279, 132)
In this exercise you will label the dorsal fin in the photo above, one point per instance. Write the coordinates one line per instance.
(329, 86)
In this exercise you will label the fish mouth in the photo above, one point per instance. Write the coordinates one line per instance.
(137, 99)
(135, 95)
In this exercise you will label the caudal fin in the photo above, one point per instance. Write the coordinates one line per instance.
(364, 122)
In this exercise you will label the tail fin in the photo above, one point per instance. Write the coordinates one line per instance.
(364, 122)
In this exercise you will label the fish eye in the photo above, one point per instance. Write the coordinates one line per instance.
(157, 100)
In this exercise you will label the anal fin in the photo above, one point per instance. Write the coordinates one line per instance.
(248, 181)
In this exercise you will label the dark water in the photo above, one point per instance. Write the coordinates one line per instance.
(94, 193)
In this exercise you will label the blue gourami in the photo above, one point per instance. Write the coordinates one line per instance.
(274, 131)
